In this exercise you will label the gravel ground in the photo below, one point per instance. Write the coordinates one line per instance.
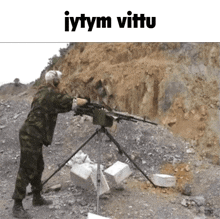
(153, 148)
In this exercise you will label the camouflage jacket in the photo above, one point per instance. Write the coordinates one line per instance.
(41, 120)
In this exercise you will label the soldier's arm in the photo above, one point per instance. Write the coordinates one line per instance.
(64, 103)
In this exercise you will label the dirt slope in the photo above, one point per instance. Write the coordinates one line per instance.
(175, 84)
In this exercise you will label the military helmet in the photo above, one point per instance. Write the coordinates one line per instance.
(51, 75)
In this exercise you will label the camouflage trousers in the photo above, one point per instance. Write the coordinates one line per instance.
(31, 166)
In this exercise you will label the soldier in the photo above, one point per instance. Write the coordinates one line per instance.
(37, 131)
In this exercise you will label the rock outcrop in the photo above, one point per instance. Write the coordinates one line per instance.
(175, 84)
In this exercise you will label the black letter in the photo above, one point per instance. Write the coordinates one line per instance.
(149, 25)
(90, 23)
(142, 20)
(129, 19)
(135, 19)
(121, 22)
(103, 20)
(66, 21)
(83, 19)
(74, 23)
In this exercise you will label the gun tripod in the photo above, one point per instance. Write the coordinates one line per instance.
(98, 132)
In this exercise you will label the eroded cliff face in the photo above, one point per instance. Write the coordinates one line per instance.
(175, 84)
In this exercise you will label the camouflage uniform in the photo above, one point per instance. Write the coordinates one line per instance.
(37, 131)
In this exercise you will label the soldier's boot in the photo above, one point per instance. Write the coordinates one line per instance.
(38, 200)
(18, 210)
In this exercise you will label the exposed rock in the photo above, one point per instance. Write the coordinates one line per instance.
(16, 116)
(190, 151)
(184, 203)
(199, 200)
(187, 190)
(71, 202)
(208, 211)
(56, 187)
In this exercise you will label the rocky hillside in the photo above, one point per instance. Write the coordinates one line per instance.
(174, 84)
(12, 89)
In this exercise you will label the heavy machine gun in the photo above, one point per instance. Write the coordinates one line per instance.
(104, 115)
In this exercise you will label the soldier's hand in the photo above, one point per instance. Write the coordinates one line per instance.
(81, 101)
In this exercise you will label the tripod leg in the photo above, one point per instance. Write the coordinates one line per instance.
(70, 157)
(98, 167)
(100, 131)
(123, 152)
(98, 173)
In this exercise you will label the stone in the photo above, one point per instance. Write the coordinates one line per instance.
(187, 168)
(186, 115)
(208, 211)
(164, 180)
(118, 172)
(82, 202)
(55, 187)
(16, 116)
(187, 190)
(79, 158)
(199, 200)
(190, 151)
(184, 203)
(85, 176)
(172, 121)
(71, 202)
(95, 216)
(80, 175)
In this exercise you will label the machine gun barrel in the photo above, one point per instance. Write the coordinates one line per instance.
(125, 116)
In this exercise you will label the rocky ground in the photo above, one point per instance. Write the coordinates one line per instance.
(154, 148)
